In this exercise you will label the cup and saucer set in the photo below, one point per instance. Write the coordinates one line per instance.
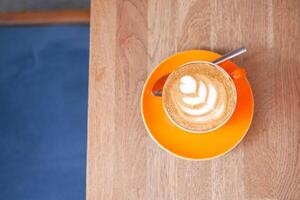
(184, 143)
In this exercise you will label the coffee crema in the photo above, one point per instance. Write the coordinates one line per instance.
(199, 97)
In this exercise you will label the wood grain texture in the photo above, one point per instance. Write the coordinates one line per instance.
(129, 38)
(45, 17)
(101, 153)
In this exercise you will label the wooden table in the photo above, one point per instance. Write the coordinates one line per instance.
(129, 38)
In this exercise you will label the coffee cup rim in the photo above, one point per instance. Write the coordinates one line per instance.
(228, 117)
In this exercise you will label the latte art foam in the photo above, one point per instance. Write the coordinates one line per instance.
(199, 97)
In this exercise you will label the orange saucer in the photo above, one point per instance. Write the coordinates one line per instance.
(188, 145)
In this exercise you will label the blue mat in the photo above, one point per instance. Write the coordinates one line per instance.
(43, 112)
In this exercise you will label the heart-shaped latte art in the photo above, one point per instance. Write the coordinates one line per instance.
(202, 100)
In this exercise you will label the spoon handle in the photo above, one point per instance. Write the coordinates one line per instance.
(230, 55)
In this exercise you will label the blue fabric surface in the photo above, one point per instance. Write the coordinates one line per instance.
(43, 112)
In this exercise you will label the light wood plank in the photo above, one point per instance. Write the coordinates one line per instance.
(287, 98)
(101, 117)
(131, 65)
(161, 167)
